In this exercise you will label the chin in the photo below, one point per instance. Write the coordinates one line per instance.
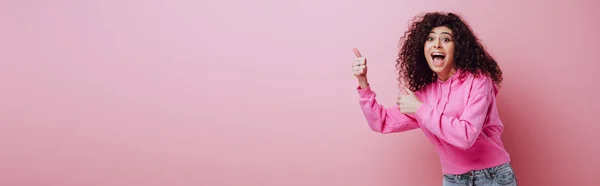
(437, 68)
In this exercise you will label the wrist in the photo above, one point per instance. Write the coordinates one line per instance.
(363, 82)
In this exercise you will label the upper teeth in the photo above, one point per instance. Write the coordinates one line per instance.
(438, 54)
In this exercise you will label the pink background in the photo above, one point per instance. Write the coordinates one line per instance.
(261, 93)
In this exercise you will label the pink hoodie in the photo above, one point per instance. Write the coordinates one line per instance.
(459, 116)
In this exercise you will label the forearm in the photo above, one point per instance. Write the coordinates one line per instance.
(382, 119)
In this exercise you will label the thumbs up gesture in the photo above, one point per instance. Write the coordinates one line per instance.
(359, 67)
(408, 103)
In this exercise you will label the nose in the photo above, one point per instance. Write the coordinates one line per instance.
(437, 44)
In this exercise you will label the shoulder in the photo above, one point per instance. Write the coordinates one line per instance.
(480, 79)
(478, 83)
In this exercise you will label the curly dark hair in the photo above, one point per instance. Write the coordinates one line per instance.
(470, 54)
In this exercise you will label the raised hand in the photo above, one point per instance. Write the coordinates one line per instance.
(359, 68)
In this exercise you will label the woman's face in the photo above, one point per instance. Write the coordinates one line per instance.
(439, 51)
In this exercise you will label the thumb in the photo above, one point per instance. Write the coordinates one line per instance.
(358, 55)
(408, 91)
(400, 94)
(356, 52)
(404, 88)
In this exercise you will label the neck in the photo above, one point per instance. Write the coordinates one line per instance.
(446, 75)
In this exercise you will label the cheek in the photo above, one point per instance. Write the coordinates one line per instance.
(427, 55)
(450, 50)
(427, 44)
(427, 48)
(450, 47)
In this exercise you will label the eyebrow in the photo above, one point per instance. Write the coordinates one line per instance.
(442, 33)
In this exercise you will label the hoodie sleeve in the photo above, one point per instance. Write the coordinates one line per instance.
(461, 132)
(381, 119)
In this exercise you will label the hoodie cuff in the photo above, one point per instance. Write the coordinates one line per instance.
(423, 112)
(364, 92)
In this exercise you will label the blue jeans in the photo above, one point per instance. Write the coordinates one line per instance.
(495, 176)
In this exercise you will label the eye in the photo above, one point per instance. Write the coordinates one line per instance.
(446, 40)
(429, 38)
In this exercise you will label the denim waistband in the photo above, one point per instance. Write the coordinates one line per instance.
(487, 173)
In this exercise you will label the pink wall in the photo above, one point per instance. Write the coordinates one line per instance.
(260, 93)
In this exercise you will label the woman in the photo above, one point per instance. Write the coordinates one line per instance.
(450, 83)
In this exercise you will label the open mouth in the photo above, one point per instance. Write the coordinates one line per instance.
(438, 58)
